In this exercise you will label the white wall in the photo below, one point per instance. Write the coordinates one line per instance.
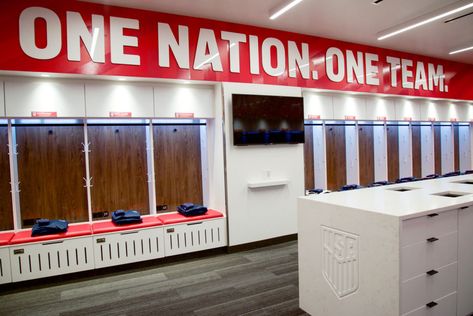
(380, 153)
(349, 107)
(258, 214)
(405, 151)
(2, 99)
(446, 139)
(320, 163)
(407, 109)
(26, 95)
(170, 99)
(464, 147)
(378, 108)
(317, 105)
(102, 98)
(352, 157)
(427, 149)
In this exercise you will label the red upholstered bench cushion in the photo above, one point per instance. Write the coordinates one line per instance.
(177, 218)
(110, 227)
(5, 238)
(24, 236)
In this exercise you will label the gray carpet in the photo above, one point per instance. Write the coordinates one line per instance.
(262, 281)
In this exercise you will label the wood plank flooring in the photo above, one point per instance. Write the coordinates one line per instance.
(262, 281)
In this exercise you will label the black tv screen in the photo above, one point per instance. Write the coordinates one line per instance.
(260, 119)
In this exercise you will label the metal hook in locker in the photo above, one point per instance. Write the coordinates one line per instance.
(88, 182)
(85, 147)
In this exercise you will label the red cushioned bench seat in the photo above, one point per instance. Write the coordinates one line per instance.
(177, 218)
(24, 236)
(110, 227)
(5, 238)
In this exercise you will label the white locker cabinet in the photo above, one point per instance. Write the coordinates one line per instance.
(118, 100)
(5, 274)
(2, 100)
(349, 107)
(380, 153)
(464, 147)
(407, 110)
(352, 156)
(320, 163)
(427, 149)
(380, 109)
(128, 246)
(405, 151)
(41, 97)
(48, 258)
(317, 106)
(195, 236)
(189, 100)
(447, 147)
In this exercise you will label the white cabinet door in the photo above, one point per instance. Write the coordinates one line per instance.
(407, 110)
(5, 274)
(380, 109)
(465, 261)
(349, 107)
(31, 97)
(175, 100)
(317, 106)
(119, 100)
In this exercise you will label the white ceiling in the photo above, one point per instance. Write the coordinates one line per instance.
(356, 21)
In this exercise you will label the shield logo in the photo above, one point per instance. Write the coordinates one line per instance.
(340, 260)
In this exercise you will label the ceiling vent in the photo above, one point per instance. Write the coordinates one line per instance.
(458, 17)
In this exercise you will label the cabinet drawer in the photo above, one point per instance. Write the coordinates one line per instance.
(421, 228)
(423, 256)
(5, 275)
(417, 292)
(446, 306)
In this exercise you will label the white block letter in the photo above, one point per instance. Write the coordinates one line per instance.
(207, 39)
(280, 56)
(406, 73)
(333, 52)
(436, 77)
(355, 65)
(254, 55)
(371, 70)
(77, 31)
(298, 59)
(421, 78)
(167, 41)
(118, 41)
(27, 33)
(395, 64)
(234, 40)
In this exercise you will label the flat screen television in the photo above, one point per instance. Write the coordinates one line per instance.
(261, 120)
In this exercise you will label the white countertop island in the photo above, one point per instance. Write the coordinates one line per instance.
(403, 249)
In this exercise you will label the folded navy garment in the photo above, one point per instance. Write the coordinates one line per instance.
(432, 176)
(49, 227)
(379, 183)
(452, 174)
(190, 209)
(121, 217)
(350, 187)
(406, 179)
(316, 191)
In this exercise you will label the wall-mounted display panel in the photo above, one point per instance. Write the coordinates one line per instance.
(2, 100)
(184, 101)
(44, 98)
(407, 110)
(349, 107)
(380, 109)
(118, 167)
(119, 99)
(6, 212)
(177, 165)
(51, 171)
(436, 111)
(317, 106)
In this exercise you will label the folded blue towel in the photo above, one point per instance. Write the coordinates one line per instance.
(190, 209)
(121, 217)
(49, 227)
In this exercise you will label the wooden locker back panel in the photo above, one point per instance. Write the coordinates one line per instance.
(416, 152)
(393, 152)
(437, 149)
(6, 212)
(456, 148)
(118, 165)
(309, 157)
(178, 169)
(51, 169)
(336, 156)
(366, 154)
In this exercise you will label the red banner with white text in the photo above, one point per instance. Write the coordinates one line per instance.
(71, 37)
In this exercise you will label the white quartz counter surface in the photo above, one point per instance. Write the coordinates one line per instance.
(422, 199)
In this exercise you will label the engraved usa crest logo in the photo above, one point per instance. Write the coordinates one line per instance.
(340, 260)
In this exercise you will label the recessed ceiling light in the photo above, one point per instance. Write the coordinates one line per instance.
(461, 50)
(283, 8)
(425, 20)
(45, 75)
(122, 79)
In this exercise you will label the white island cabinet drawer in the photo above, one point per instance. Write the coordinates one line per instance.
(428, 287)
(444, 306)
(417, 259)
(432, 225)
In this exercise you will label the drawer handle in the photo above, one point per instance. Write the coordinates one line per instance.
(431, 304)
(432, 239)
(433, 215)
(100, 240)
(170, 230)
(432, 272)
